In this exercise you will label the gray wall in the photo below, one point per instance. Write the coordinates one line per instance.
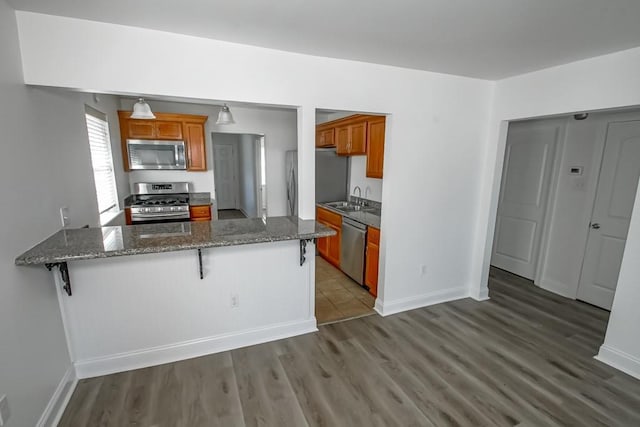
(45, 165)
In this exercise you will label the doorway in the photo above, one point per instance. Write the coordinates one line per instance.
(348, 193)
(239, 168)
(566, 197)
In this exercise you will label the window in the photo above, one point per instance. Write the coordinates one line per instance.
(102, 162)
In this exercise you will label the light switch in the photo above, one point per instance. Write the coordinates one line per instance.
(64, 216)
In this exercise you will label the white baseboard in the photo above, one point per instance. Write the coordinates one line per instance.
(386, 308)
(483, 295)
(620, 360)
(58, 402)
(189, 349)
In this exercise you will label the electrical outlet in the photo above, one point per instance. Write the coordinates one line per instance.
(64, 216)
(235, 301)
(423, 270)
(4, 410)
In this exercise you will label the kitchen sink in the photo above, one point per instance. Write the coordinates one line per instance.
(350, 207)
(338, 205)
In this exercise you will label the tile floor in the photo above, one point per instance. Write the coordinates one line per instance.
(337, 296)
(230, 214)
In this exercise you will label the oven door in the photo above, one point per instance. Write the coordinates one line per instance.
(154, 154)
(150, 218)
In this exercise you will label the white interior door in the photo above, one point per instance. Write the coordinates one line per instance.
(615, 196)
(224, 160)
(530, 152)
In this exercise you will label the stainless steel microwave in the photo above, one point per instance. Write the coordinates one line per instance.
(154, 154)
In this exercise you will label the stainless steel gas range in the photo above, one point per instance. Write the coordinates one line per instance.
(159, 202)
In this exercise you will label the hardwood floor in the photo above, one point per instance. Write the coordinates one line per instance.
(522, 358)
(337, 296)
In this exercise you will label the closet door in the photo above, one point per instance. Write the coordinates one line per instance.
(524, 192)
(615, 196)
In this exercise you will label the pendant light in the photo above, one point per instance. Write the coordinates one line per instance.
(224, 116)
(141, 110)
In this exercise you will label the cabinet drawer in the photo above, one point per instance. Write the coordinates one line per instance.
(373, 236)
(329, 217)
(200, 213)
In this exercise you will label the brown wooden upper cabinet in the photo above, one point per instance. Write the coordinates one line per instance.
(167, 126)
(154, 129)
(356, 135)
(351, 138)
(196, 154)
(375, 146)
(325, 137)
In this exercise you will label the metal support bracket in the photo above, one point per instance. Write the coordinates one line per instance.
(200, 263)
(64, 274)
(303, 249)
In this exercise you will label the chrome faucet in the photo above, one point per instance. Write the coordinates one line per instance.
(357, 187)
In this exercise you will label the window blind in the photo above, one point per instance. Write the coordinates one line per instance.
(102, 160)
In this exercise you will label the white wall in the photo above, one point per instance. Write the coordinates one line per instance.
(606, 82)
(177, 315)
(570, 204)
(621, 347)
(371, 188)
(431, 159)
(277, 124)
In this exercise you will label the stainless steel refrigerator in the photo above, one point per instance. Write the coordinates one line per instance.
(332, 178)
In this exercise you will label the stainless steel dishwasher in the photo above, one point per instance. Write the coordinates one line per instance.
(354, 236)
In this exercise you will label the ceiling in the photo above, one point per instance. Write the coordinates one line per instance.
(489, 39)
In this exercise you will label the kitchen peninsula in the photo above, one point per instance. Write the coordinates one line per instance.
(192, 288)
(103, 242)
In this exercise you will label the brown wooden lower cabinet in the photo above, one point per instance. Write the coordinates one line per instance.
(372, 260)
(200, 213)
(329, 247)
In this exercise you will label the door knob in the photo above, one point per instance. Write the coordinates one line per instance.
(595, 226)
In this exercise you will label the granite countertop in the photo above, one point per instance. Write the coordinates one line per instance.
(367, 218)
(200, 199)
(103, 242)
